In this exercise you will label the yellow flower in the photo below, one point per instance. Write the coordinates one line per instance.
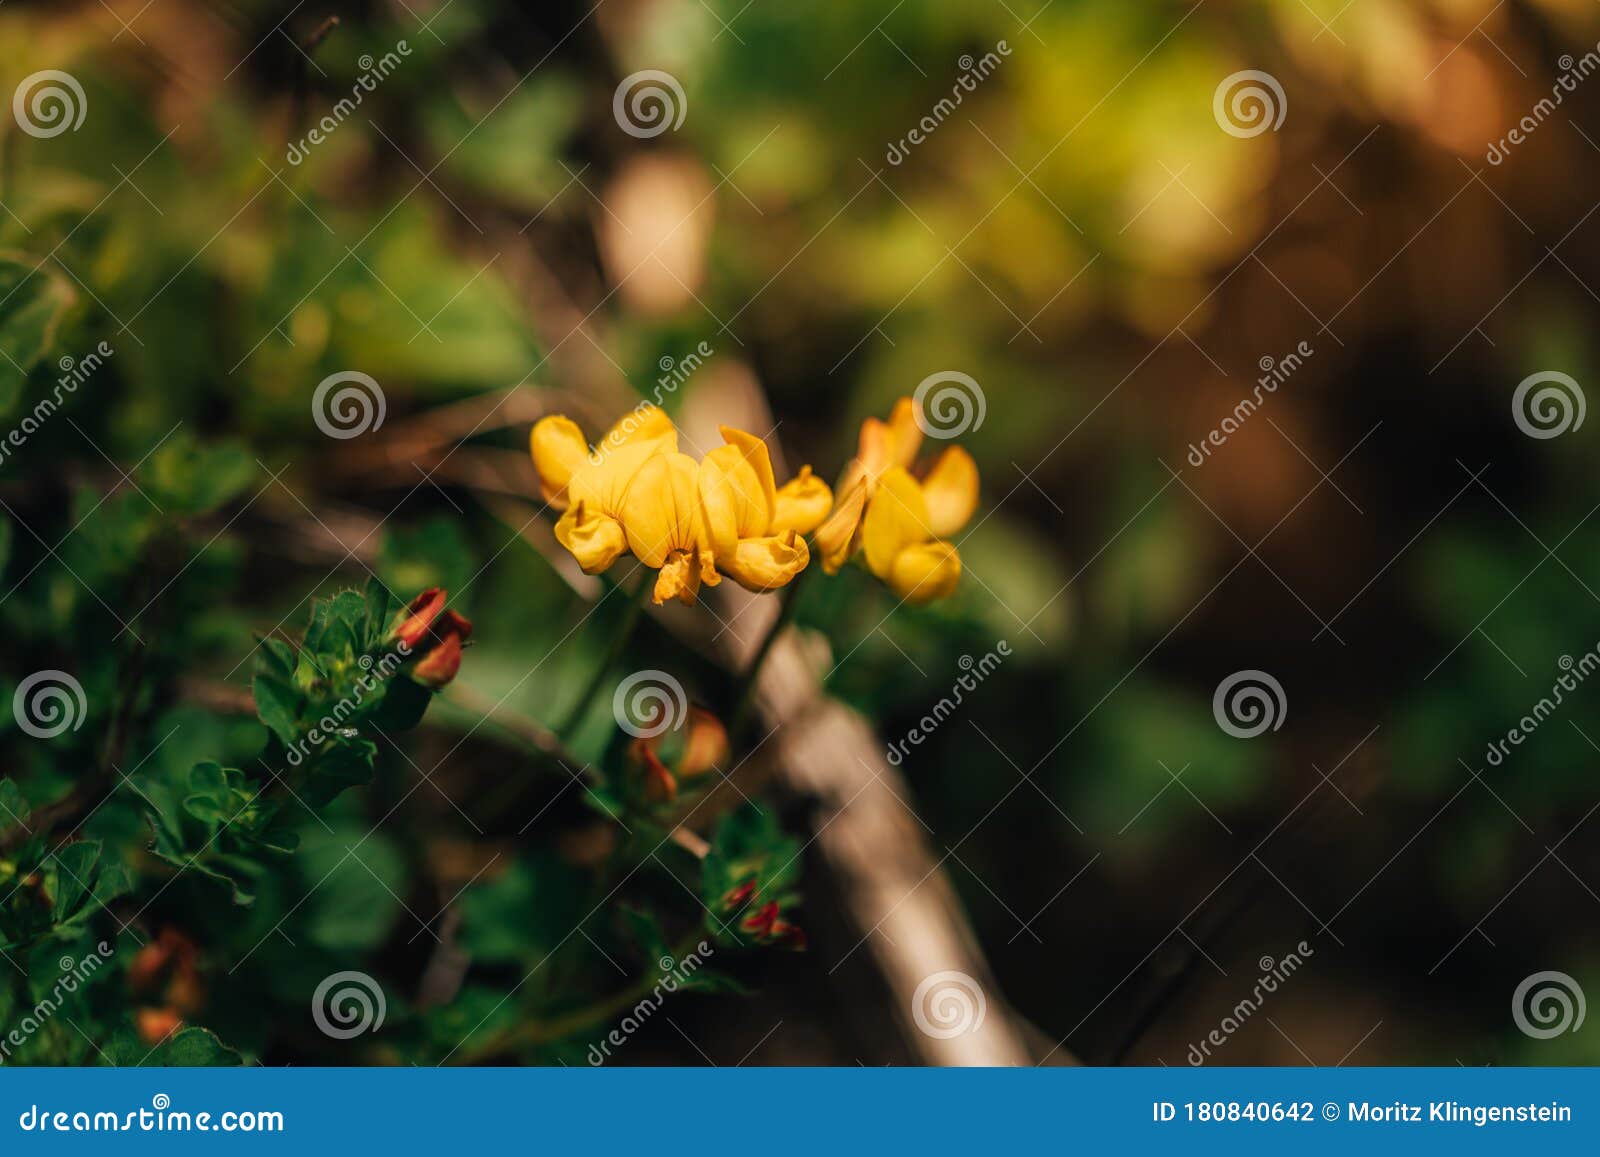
(899, 522)
(592, 485)
(664, 528)
(756, 529)
(559, 450)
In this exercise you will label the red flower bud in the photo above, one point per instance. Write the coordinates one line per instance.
(419, 617)
(438, 632)
(762, 920)
(659, 783)
(439, 665)
(739, 897)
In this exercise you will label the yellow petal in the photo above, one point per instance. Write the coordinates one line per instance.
(678, 579)
(595, 539)
(927, 571)
(836, 537)
(897, 517)
(905, 434)
(661, 510)
(603, 481)
(731, 499)
(874, 449)
(802, 503)
(951, 490)
(558, 449)
(645, 424)
(764, 564)
(754, 451)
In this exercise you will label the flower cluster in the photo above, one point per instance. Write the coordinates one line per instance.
(693, 522)
(899, 520)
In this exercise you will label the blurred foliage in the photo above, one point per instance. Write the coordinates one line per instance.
(1079, 237)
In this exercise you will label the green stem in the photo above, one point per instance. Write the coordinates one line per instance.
(739, 720)
(557, 1028)
(619, 643)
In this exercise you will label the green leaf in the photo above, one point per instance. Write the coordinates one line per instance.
(33, 301)
(188, 478)
(358, 879)
(192, 1048)
(403, 705)
(14, 809)
(526, 912)
(378, 601)
(278, 704)
(74, 876)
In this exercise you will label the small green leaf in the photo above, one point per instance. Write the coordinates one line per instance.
(74, 876)
(277, 705)
(14, 809)
(33, 301)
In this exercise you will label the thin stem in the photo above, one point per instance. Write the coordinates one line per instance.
(538, 1032)
(739, 720)
(619, 643)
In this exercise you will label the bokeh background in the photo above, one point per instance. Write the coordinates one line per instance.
(1086, 239)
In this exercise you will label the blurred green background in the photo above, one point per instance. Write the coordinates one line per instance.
(1081, 236)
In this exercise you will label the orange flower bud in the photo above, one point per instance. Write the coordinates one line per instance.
(439, 665)
(660, 785)
(705, 743)
(419, 617)
(156, 1024)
